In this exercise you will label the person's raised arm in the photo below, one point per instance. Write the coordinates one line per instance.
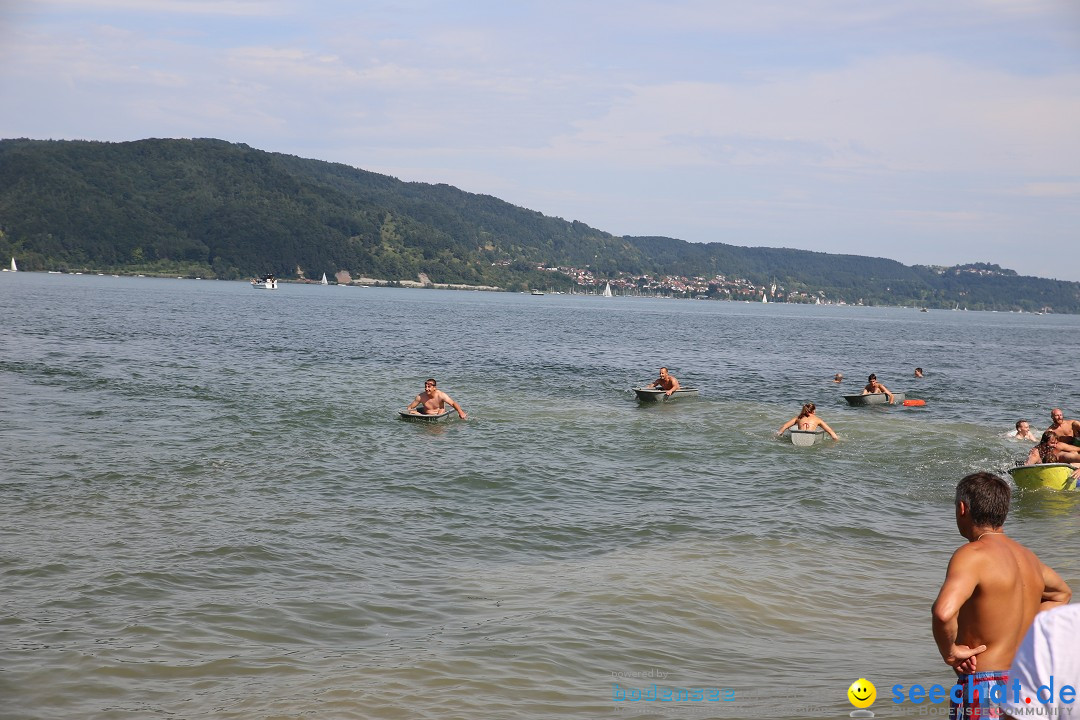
(788, 424)
(960, 582)
(674, 385)
(413, 404)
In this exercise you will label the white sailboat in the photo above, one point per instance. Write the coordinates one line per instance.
(763, 298)
(14, 268)
(607, 290)
(324, 280)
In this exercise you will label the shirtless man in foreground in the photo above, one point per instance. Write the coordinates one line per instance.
(873, 386)
(665, 382)
(993, 589)
(433, 401)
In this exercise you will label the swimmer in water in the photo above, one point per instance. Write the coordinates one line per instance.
(1023, 431)
(807, 420)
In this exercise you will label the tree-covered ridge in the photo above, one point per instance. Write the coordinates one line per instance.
(217, 209)
(235, 211)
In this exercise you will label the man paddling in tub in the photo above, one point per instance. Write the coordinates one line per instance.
(433, 401)
(665, 382)
(873, 387)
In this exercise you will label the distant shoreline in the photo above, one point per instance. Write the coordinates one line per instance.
(365, 282)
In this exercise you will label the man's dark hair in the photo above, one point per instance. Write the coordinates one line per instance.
(432, 381)
(987, 498)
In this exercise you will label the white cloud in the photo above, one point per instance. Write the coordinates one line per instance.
(234, 8)
(901, 114)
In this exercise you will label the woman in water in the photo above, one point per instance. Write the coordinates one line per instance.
(1051, 450)
(807, 420)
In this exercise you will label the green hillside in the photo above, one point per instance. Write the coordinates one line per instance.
(215, 209)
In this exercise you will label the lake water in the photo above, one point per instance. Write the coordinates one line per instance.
(210, 509)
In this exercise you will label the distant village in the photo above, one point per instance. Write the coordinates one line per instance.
(585, 282)
(718, 287)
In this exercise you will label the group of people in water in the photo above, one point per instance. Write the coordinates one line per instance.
(1001, 612)
(1059, 443)
(807, 418)
(1002, 617)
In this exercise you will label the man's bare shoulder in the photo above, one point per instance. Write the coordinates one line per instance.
(964, 551)
(968, 556)
(976, 556)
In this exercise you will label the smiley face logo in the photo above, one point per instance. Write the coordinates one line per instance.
(862, 693)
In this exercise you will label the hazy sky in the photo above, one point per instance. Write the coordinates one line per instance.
(927, 131)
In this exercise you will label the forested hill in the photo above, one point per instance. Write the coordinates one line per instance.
(211, 208)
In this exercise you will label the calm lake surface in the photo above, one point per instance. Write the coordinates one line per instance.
(210, 509)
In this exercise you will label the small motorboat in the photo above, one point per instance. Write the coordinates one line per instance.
(267, 282)
(657, 395)
(806, 438)
(1057, 476)
(875, 399)
(422, 418)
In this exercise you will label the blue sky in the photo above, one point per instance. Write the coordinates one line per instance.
(924, 131)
